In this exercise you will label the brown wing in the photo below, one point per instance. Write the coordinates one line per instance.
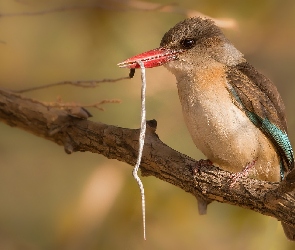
(258, 94)
(259, 98)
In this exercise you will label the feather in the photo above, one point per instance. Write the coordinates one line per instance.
(258, 97)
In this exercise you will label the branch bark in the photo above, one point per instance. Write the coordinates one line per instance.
(196, 177)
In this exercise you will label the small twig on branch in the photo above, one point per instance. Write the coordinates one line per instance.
(97, 105)
(82, 84)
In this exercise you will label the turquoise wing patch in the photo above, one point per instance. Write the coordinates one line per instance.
(278, 137)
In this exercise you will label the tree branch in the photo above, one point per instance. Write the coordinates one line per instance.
(159, 160)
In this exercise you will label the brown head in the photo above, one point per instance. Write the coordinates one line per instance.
(190, 43)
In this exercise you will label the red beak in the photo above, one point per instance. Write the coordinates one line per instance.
(152, 58)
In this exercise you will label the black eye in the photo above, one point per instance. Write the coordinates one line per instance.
(188, 43)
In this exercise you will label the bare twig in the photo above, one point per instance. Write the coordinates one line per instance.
(82, 84)
(97, 105)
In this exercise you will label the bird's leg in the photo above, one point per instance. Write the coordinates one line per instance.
(243, 173)
(201, 163)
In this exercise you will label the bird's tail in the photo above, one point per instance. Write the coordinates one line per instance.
(289, 231)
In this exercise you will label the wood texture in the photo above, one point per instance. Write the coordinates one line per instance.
(159, 160)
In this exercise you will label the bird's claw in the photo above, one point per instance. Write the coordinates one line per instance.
(200, 164)
(244, 173)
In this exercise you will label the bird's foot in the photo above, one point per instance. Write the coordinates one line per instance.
(243, 173)
(201, 163)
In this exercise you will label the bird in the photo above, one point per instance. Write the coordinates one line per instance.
(234, 114)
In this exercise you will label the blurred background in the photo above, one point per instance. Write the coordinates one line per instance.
(51, 200)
